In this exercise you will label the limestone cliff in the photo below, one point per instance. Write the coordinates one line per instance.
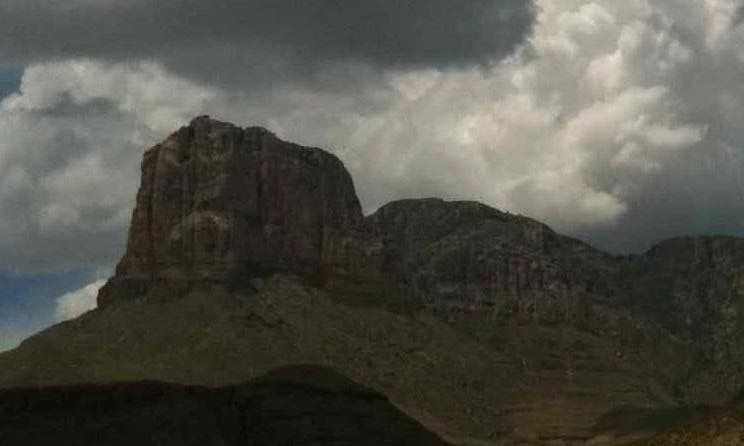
(221, 203)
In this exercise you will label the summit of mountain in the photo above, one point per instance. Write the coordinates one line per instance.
(219, 203)
(247, 253)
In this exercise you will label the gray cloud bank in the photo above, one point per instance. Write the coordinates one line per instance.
(261, 40)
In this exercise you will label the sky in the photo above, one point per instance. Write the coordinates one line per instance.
(621, 123)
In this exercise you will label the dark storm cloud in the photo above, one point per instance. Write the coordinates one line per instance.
(739, 17)
(382, 33)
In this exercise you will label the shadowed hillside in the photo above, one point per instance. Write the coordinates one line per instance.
(301, 405)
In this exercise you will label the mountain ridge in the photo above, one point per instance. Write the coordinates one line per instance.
(248, 253)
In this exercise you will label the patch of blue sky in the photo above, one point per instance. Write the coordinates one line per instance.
(10, 80)
(28, 302)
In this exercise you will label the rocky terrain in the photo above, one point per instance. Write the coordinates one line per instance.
(222, 204)
(300, 405)
(247, 253)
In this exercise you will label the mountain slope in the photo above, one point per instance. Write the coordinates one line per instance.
(529, 382)
(248, 253)
(215, 337)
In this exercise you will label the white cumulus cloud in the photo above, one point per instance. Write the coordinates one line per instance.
(70, 146)
(76, 303)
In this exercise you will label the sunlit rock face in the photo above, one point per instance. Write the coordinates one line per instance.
(222, 203)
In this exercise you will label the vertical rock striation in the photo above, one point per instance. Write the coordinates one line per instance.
(221, 203)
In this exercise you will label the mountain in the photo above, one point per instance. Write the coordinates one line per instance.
(247, 253)
(221, 204)
(301, 405)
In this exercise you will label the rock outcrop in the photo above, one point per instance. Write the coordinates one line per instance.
(694, 288)
(465, 255)
(221, 203)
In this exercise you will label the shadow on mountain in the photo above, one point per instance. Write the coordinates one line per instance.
(297, 405)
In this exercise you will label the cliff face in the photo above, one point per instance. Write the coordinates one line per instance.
(221, 203)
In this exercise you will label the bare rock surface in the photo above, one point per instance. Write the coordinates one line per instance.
(221, 203)
(468, 255)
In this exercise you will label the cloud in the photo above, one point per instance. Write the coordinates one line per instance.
(265, 40)
(620, 122)
(69, 156)
(76, 303)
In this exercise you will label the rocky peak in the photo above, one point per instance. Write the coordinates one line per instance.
(222, 203)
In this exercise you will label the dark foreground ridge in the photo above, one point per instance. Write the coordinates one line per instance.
(247, 253)
(301, 405)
